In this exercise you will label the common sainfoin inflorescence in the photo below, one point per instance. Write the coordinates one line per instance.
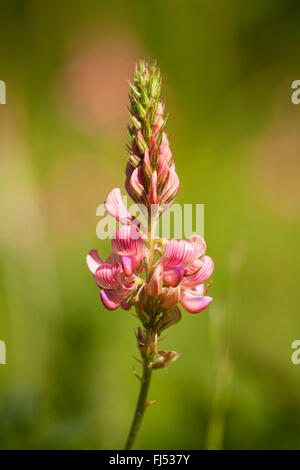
(152, 275)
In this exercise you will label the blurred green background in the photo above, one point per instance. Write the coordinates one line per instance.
(228, 68)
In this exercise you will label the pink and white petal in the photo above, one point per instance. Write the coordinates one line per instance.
(159, 120)
(116, 208)
(173, 276)
(128, 241)
(108, 276)
(153, 151)
(112, 299)
(199, 244)
(162, 172)
(164, 149)
(199, 289)
(194, 303)
(147, 165)
(202, 275)
(93, 261)
(141, 143)
(130, 192)
(135, 156)
(178, 253)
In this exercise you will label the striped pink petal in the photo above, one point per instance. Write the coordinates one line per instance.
(108, 276)
(193, 267)
(128, 241)
(130, 192)
(147, 165)
(178, 253)
(171, 189)
(162, 172)
(141, 142)
(112, 299)
(93, 261)
(153, 151)
(173, 276)
(137, 184)
(199, 244)
(194, 303)
(135, 157)
(116, 208)
(202, 275)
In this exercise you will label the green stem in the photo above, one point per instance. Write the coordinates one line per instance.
(147, 358)
(141, 406)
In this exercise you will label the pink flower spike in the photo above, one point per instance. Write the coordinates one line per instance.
(178, 253)
(112, 299)
(93, 261)
(202, 275)
(147, 272)
(128, 241)
(194, 303)
(116, 208)
(173, 276)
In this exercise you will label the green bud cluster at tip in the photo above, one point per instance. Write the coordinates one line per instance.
(145, 94)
